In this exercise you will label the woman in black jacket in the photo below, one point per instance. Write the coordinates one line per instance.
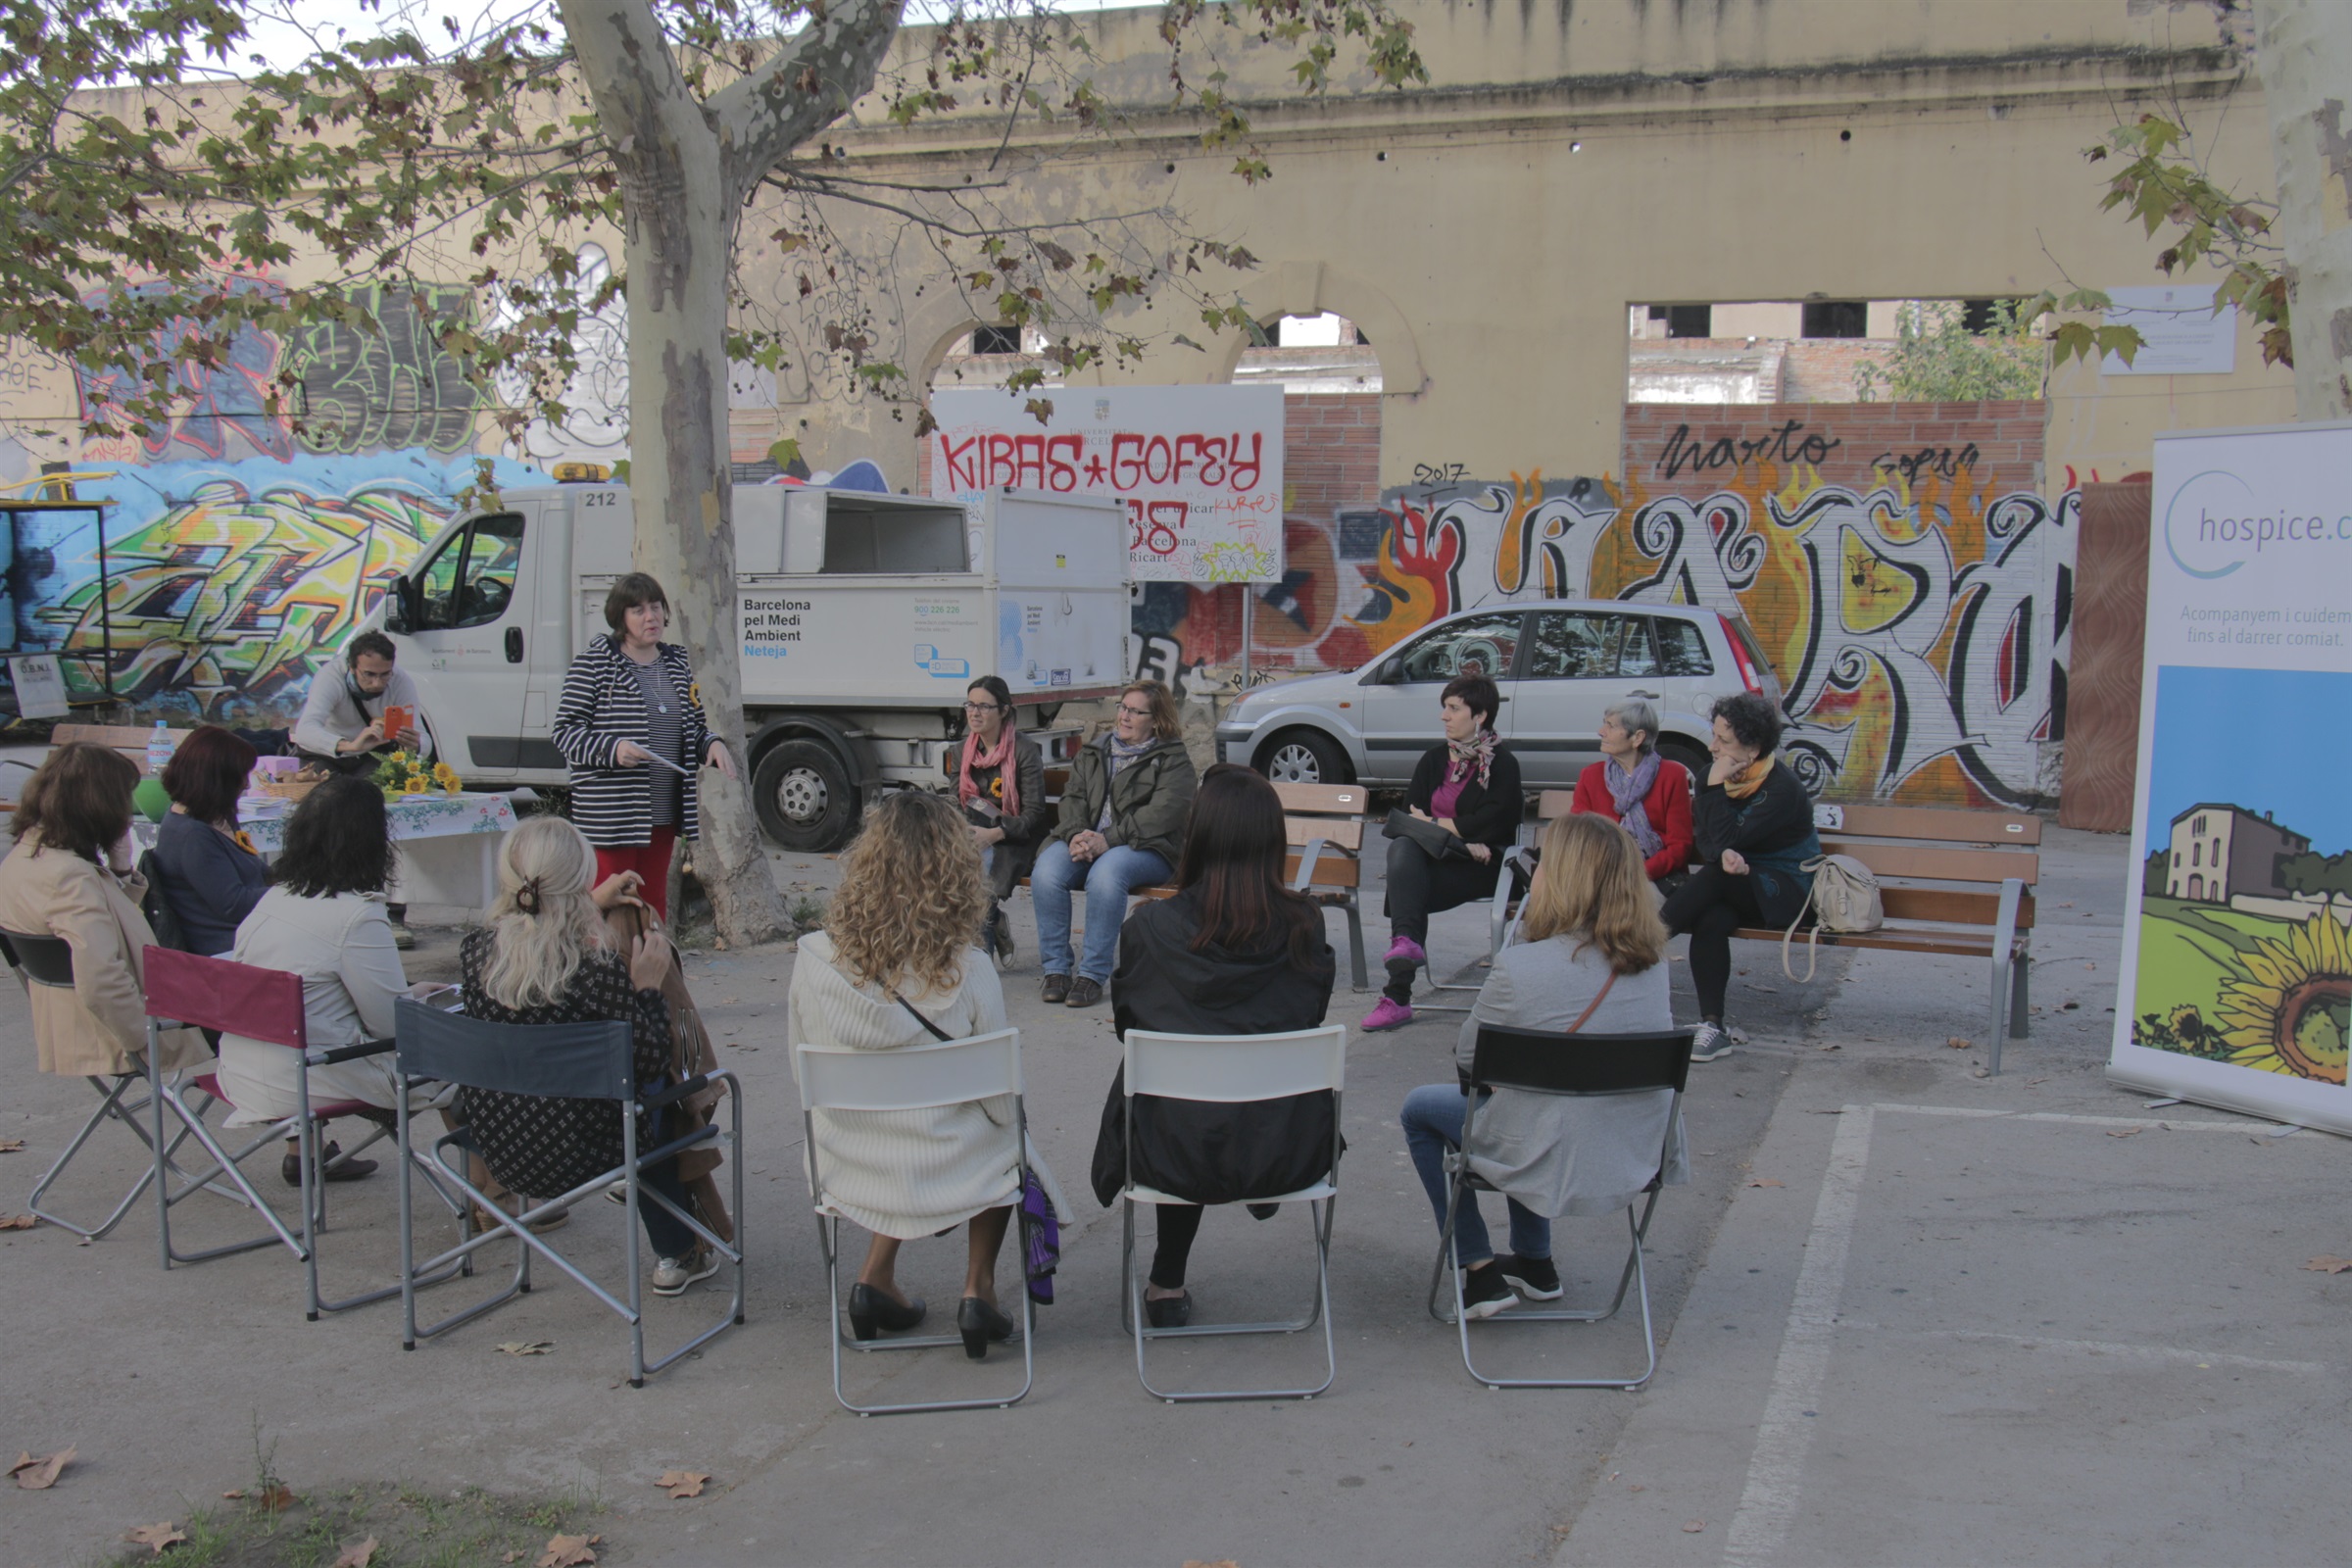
(1469, 786)
(999, 776)
(1234, 952)
(1754, 825)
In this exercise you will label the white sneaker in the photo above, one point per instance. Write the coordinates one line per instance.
(1708, 1042)
(672, 1275)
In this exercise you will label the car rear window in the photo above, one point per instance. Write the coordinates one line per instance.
(1681, 647)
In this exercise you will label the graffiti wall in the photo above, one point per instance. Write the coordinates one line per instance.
(1899, 563)
(232, 549)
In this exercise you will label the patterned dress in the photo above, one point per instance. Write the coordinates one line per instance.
(545, 1145)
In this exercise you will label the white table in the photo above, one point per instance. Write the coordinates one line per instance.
(449, 842)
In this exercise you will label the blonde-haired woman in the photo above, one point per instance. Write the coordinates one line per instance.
(894, 963)
(543, 959)
(1592, 961)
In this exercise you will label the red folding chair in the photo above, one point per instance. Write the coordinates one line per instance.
(263, 1005)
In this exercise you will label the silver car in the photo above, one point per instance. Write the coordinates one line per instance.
(1560, 663)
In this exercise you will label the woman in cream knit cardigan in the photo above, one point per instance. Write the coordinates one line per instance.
(898, 937)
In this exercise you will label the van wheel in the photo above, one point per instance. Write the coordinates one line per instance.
(1303, 756)
(802, 794)
(1693, 757)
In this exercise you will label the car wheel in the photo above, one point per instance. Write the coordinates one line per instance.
(804, 796)
(1690, 754)
(1303, 756)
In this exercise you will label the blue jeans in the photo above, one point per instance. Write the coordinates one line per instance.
(1106, 880)
(1433, 1128)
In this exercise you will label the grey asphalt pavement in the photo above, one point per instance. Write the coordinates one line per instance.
(1909, 1315)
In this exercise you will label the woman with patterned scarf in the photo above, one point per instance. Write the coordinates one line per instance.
(1000, 783)
(1754, 825)
(1469, 786)
(1641, 791)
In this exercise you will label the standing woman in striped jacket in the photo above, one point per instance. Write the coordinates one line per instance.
(630, 724)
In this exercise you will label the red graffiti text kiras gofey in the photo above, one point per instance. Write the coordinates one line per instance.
(1063, 463)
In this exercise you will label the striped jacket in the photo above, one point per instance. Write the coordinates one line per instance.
(601, 706)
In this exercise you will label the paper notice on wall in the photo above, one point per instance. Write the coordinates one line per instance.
(1199, 467)
(41, 686)
(2182, 336)
(2236, 979)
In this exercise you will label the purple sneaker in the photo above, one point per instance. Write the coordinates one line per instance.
(1389, 1014)
(1404, 957)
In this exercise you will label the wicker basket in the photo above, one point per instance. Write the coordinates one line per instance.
(287, 789)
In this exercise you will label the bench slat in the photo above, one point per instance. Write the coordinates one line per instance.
(1938, 864)
(1340, 833)
(1331, 870)
(1324, 799)
(1959, 944)
(1943, 825)
(1950, 908)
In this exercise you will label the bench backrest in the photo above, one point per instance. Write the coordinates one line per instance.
(128, 739)
(1970, 853)
(1333, 813)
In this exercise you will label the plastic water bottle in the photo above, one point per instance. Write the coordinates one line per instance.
(159, 749)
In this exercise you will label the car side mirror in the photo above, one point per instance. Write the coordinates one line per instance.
(396, 611)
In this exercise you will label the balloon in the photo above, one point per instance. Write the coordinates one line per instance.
(151, 800)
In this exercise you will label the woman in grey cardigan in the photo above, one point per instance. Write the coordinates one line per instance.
(1594, 960)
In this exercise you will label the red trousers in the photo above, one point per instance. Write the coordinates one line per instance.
(649, 860)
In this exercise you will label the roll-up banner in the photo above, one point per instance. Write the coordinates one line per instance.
(2236, 983)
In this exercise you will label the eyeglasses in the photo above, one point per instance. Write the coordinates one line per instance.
(1139, 713)
(984, 707)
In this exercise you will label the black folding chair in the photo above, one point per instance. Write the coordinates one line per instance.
(1583, 1065)
(563, 1061)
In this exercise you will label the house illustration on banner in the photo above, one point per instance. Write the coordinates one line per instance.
(2222, 850)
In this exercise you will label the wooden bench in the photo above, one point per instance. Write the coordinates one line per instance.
(128, 739)
(1950, 881)
(1325, 827)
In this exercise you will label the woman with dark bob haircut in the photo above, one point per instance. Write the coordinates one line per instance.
(1235, 952)
(206, 871)
(324, 921)
(1755, 826)
(1468, 784)
(70, 876)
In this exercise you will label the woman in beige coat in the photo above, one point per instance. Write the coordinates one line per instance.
(70, 875)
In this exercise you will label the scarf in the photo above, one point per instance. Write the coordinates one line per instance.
(1476, 753)
(1115, 752)
(1008, 789)
(1627, 792)
(1749, 779)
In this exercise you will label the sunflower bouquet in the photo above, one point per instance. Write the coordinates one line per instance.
(404, 773)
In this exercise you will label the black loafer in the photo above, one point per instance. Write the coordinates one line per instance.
(351, 1170)
(871, 1311)
(1084, 993)
(1058, 989)
(1169, 1311)
(979, 1323)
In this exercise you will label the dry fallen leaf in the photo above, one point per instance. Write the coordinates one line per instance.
(10, 1146)
(17, 1222)
(2330, 1265)
(1958, 1044)
(1694, 1527)
(682, 1483)
(2031, 1081)
(1768, 1181)
(568, 1551)
(276, 1498)
(39, 1475)
(1221, 1562)
(2125, 1132)
(157, 1536)
(358, 1556)
(1637, 1488)
(526, 1346)
(232, 1496)
(511, 1557)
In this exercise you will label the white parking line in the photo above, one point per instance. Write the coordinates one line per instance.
(2129, 1352)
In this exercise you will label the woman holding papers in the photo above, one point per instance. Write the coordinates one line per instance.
(630, 724)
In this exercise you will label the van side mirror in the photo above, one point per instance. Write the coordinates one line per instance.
(396, 608)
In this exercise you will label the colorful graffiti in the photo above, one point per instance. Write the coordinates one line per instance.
(344, 389)
(221, 588)
(1912, 596)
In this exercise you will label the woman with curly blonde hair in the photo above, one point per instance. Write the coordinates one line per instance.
(1592, 962)
(895, 962)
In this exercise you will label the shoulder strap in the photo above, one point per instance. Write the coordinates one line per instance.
(1598, 996)
(937, 1033)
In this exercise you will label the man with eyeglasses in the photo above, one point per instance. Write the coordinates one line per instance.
(1122, 824)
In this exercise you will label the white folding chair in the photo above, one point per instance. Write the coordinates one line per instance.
(952, 1072)
(1557, 1063)
(1234, 1070)
(569, 1061)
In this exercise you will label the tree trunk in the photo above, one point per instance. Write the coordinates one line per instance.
(678, 248)
(2304, 53)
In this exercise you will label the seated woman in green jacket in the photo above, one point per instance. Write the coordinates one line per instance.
(1122, 826)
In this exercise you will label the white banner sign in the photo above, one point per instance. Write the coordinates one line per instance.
(1200, 468)
(2236, 984)
(2181, 333)
(41, 686)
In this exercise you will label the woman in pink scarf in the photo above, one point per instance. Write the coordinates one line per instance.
(1000, 778)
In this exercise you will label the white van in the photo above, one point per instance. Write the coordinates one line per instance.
(864, 618)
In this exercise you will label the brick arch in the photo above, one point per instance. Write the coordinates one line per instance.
(1310, 289)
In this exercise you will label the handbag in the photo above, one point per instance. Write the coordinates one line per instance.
(1041, 1227)
(690, 1053)
(1435, 840)
(1845, 897)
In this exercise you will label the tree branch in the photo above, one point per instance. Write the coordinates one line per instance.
(801, 89)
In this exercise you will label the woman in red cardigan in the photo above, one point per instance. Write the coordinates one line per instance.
(1633, 785)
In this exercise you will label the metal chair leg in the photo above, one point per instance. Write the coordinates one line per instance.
(110, 1106)
(828, 1238)
(1320, 1216)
